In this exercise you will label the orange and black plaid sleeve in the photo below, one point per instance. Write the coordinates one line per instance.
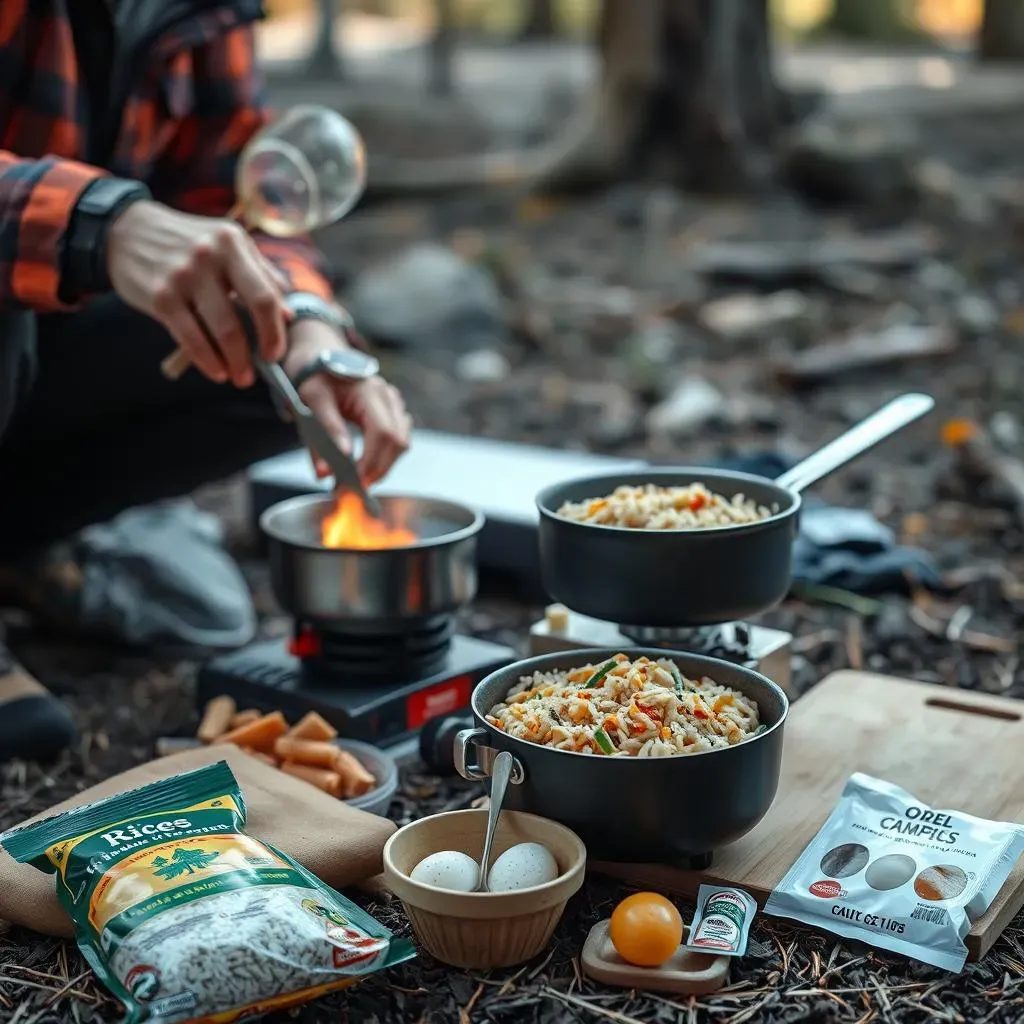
(201, 161)
(37, 199)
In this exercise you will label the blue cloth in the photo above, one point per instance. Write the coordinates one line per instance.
(844, 547)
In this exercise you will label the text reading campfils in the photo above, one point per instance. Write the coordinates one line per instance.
(876, 921)
(921, 823)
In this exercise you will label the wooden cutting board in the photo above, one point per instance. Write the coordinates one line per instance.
(950, 748)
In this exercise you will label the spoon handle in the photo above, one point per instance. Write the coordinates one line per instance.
(501, 772)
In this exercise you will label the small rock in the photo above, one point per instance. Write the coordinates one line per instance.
(482, 366)
(940, 277)
(691, 405)
(976, 314)
(656, 341)
(859, 162)
(1005, 428)
(739, 316)
(428, 297)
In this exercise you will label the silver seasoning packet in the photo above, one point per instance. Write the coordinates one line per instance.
(888, 870)
(722, 922)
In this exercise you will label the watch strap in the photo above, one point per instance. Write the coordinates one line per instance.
(311, 369)
(84, 256)
(320, 364)
(309, 306)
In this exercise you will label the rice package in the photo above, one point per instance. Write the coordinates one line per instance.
(888, 870)
(186, 918)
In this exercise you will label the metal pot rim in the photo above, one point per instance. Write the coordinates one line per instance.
(529, 665)
(318, 497)
(546, 509)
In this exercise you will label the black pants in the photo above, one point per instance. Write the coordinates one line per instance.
(89, 426)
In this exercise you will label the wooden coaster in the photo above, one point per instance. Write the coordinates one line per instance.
(685, 972)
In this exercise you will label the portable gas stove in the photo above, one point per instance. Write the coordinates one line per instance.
(373, 647)
(767, 650)
(377, 688)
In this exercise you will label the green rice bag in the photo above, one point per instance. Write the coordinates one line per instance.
(186, 918)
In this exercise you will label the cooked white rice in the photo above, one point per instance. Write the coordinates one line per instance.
(639, 708)
(666, 508)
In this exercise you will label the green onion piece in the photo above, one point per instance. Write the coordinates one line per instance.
(602, 740)
(599, 675)
(760, 729)
(678, 676)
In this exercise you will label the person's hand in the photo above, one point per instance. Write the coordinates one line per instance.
(374, 406)
(183, 271)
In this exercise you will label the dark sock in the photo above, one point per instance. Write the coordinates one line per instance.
(34, 725)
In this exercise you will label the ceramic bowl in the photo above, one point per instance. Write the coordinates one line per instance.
(483, 930)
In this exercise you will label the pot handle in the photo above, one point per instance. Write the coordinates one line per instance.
(479, 767)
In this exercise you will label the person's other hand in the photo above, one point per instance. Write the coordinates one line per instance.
(374, 406)
(183, 271)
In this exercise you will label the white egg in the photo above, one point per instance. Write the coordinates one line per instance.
(522, 867)
(448, 869)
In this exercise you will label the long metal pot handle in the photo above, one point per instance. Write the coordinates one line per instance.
(479, 767)
(899, 413)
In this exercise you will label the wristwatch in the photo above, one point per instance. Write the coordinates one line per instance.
(349, 364)
(84, 257)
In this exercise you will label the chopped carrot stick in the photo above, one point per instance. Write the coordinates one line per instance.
(312, 727)
(246, 717)
(356, 779)
(216, 719)
(311, 752)
(260, 756)
(260, 735)
(329, 782)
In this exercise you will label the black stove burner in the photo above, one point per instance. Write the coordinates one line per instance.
(385, 652)
(269, 676)
(729, 641)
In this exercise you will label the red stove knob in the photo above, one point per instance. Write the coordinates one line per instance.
(306, 644)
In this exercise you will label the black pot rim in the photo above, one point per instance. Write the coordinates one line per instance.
(545, 506)
(529, 665)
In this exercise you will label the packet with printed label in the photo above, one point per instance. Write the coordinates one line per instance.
(722, 922)
(888, 870)
(186, 918)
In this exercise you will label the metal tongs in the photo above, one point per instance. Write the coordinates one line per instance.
(311, 431)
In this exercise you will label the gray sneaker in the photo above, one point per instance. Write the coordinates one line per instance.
(157, 578)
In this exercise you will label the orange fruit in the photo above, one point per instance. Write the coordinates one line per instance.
(646, 929)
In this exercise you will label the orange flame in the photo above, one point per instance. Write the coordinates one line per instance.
(351, 526)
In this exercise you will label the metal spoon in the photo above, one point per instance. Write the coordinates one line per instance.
(500, 774)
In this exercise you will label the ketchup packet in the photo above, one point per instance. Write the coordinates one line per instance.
(888, 870)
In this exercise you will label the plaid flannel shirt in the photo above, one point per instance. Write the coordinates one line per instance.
(190, 111)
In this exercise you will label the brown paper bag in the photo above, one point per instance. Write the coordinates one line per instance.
(339, 844)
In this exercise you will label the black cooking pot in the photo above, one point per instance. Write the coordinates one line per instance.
(673, 810)
(693, 577)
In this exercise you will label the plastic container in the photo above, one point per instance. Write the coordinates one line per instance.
(381, 765)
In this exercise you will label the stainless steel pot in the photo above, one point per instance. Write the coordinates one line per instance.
(675, 810)
(434, 576)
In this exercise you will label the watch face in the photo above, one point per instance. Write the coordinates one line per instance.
(351, 363)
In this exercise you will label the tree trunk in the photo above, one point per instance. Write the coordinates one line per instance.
(442, 49)
(1002, 31)
(540, 21)
(326, 61)
(687, 91)
(686, 95)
